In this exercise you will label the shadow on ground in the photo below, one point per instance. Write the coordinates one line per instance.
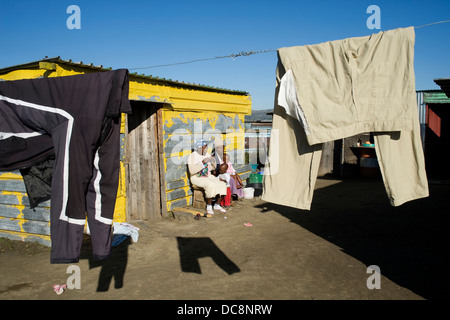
(112, 268)
(409, 243)
(192, 249)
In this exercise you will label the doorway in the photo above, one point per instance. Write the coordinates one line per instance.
(143, 161)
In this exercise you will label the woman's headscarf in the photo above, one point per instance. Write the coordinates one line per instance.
(199, 143)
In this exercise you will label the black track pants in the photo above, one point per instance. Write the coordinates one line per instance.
(66, 117)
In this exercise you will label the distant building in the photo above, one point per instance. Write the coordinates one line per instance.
(258, 128)
(436, 130)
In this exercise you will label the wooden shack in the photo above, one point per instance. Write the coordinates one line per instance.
(155, 141)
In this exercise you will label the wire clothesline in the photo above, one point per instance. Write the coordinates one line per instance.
(233, 56)
(245, 53)
(430, 24)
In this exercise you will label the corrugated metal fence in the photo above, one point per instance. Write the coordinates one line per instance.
(422, 115)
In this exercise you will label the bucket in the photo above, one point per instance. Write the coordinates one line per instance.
(255, 178)
(258, 188)
(369, 167)
(248, 193)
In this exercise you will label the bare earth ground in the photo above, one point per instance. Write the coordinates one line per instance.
(287, 254)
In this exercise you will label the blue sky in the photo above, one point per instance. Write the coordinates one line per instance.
(133, 34)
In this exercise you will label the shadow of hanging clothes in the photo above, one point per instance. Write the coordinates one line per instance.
(409, 242)
(112, 267)
(192, 249)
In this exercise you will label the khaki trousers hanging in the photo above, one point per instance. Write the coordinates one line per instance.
(343, 88)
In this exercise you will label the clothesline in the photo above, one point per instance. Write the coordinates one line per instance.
(244, 53)
(430, 24)
(233, 56)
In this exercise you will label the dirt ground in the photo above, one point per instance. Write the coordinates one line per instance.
(286, 254)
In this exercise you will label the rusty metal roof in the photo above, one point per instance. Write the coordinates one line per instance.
(93, 67)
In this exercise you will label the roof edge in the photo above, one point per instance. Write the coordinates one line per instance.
(91, 66)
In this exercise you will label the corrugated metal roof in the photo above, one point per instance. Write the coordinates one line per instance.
(444, 83)
(436, 97)
(91, 66)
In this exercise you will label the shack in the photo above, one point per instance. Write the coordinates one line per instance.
(155, 141)
(437, 131)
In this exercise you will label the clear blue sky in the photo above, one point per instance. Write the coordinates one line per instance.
(131, 34)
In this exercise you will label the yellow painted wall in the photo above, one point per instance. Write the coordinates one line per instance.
(233, 138)
(19, 219)
(187, 99)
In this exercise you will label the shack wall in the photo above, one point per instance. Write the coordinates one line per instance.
(180, 129)
(17, 220)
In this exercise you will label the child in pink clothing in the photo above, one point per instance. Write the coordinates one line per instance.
(236, 184)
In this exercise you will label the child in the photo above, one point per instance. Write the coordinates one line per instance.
(236, 184)
(223, 174)
(225, 177)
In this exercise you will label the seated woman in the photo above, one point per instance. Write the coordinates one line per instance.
(199, 164)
